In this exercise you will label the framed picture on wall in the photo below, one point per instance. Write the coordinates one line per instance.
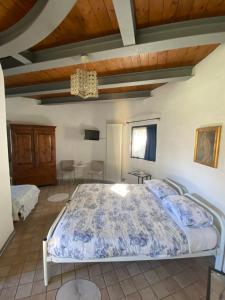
(207, 142)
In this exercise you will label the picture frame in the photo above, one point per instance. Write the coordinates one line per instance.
(216, 285)
(207, 143)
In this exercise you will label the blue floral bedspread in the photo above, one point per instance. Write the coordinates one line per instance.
(105, 220)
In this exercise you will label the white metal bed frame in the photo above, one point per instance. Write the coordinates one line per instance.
(219, 222)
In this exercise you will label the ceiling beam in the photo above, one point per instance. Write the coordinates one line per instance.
(37, 24)
(23, 58)
(126, 19)
(102, 97)
(152, 39)
(121, 80)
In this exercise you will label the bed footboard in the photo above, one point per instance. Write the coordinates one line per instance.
(45, 262)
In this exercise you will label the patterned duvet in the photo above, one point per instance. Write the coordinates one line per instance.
(105, 220)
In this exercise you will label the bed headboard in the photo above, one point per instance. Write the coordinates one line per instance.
(218, 216)
(177, 186)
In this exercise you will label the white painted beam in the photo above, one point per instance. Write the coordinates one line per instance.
(102, 97)
(37, 24)
(126, 20)
(21, 58)
(154, 39)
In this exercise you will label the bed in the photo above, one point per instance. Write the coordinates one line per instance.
(24, 198)
(125, 222)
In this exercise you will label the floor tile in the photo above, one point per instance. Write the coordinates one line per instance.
(115, 292)
(140, 281)
(38, 287)
(151, 276)
(133, 269)
(12, 281)
(148, 294)
(24, 291)
(128, 286)
(8, 293)
(135, 296)
(27, 277)
(110, 278)
(122, 273)
(160, 290)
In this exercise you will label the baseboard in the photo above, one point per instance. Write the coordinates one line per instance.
(7, 242)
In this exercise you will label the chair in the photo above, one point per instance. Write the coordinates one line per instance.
(67, 166)
(96, 169)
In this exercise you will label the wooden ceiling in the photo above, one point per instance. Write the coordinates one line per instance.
(143, 62)
(12, 11)
(156, 12)
(96, 18)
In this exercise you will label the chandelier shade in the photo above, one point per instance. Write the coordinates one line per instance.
(84, 84)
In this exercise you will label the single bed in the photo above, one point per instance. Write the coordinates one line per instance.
(24, 198)
(124, 222)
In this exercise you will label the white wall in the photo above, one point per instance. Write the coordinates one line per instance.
(71, 120)
(6, 224)
(183, 107)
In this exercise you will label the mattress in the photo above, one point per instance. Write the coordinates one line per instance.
(201, 239)
(24, 198)
(119, 220)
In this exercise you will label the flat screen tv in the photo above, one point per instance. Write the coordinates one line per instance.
(91, 135)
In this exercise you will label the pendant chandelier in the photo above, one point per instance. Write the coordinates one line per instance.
(84, 83)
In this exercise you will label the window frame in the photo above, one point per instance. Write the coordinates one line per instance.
(131, 143)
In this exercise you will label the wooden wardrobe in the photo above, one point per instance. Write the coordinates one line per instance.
(33, 155)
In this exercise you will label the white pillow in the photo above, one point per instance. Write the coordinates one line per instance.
(187, 212)
(160, 188)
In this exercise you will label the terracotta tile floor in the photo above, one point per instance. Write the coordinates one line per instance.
(21, 273)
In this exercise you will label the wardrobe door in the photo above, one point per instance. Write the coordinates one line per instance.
(23, 159)
(45, 160)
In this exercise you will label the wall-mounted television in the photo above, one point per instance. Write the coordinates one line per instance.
(91, 135)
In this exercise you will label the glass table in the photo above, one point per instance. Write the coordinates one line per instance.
(141, 175)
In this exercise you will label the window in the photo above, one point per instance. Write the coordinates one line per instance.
(143, 142)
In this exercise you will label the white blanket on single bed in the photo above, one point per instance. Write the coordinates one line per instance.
(24, 198)
(105, 220)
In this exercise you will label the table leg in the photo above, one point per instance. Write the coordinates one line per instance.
(142, 180)
(138, 179)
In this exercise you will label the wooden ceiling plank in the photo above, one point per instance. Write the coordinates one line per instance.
(149, 87)
(12, 11)
(198, 8)
(183, 10)
(162, 59)
(169, 10)
(156, 8)
(99, 9)
(112, 14)
(141, 13)
(153, 60)
(215, 7)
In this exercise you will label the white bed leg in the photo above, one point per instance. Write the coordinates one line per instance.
(45, 263)
(219, 262)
